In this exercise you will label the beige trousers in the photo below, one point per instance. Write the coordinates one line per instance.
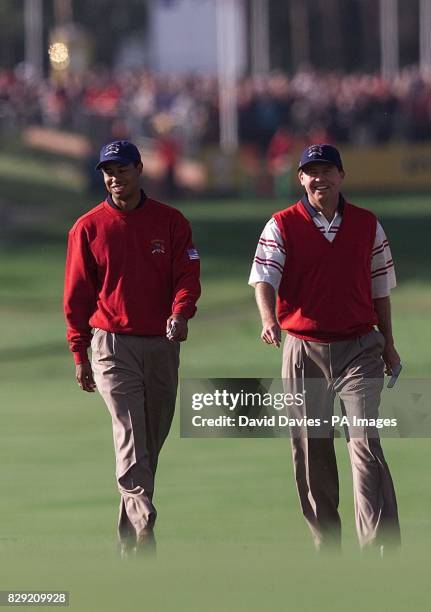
(137, 376)
(354, 370)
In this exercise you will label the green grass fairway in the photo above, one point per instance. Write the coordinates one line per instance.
(230, 534)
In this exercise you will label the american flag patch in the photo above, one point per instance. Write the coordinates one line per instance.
(193, 254)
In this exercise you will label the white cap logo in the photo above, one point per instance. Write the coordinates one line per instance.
(315, 150)
(111, 148)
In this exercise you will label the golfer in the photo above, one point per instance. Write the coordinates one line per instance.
(132, 275)
(323, 273)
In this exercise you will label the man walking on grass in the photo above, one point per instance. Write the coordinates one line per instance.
(132, 275)
(323, 273)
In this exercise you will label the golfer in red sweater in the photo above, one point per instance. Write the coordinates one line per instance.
(132, 276)
(323, 272)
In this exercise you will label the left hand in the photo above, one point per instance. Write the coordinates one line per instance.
(180, 332)
(84, 376)
(271, 333)
(391, 358)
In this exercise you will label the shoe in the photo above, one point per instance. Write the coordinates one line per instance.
(145, 543)
(126, 549)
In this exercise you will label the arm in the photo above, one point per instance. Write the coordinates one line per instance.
(265, 276)
(79, 304)
(383, 280)
(265, 299)
(382, 307)
(185, 275)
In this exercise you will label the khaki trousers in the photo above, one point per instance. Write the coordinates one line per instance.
(354, 370)
(137, 376)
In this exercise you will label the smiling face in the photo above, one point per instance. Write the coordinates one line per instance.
(123, 182)
(322, 182)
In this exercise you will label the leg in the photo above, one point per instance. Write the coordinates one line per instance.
(376, 512)
(117, 366)
(161, 362)
(359, 388)
(314, 462)
(316, 475)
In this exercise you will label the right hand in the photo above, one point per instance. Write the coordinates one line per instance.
(84, 376)
(391, 358)
(179, 333)
(271, 334)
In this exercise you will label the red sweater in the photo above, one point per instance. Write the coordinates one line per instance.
(127, 272)
(325, 291)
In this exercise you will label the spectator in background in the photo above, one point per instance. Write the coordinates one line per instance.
(168, 151)
(345, 108)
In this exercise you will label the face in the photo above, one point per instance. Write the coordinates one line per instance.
(321, 181)
(122, 182)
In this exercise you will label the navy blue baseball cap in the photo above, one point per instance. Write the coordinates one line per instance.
(324, 153)
(121, 151)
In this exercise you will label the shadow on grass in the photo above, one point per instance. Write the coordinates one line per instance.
(48, 349)
(28, 194)
(35, 238)
(227, 243)
(233, 245)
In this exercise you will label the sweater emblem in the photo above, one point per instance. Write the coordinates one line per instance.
(158, 247)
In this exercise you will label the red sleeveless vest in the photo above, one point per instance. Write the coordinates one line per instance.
(325, 291)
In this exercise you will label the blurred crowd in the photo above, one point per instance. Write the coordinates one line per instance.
(274, 110)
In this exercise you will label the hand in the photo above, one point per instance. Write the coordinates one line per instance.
(391, 358)
(179, 331)
(271, 334)
(84, 376)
